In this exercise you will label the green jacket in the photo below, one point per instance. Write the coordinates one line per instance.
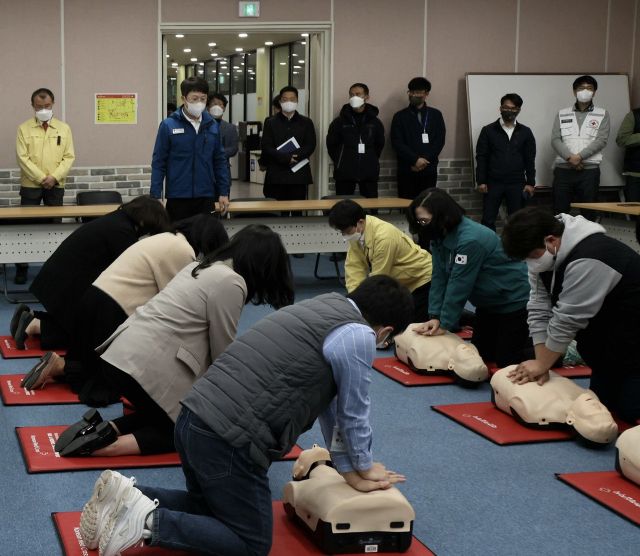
(470, 265)
(627, 138)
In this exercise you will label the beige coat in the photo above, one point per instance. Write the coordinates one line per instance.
(170, 342)
(145, 269)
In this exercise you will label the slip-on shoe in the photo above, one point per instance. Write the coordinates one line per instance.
(87, 425)
(34, 374)
(104, 435)
(21, 308)
(21, 330)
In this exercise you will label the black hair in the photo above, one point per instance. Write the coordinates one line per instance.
(149, 211)
(513, 97)
(345, 214)
(446, 214)
(194, 85)
(366, 89)
(171, 107)
(289, 89)
(526, 229)
(41, 94)
(383, 301)
(258, 255)
(276, 102)
(218, 96)
(419, 84)
(204, 232)
(585, 79)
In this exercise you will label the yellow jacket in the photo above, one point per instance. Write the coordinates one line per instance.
(41, 153)
(389, 251)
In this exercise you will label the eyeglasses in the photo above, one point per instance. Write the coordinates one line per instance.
(416, 93)
(586, 88)
(423, 221)
(510, 108)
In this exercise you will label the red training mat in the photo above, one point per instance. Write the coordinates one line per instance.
(610, 489)
(10, 350)
(488, 421)
(466, 333)
(53, 393)
(288, 539)
(398, 371)
(37, 446)
(567, 371)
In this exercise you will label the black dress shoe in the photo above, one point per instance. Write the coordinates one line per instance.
(21, 330)
(34, 374)
(87, 425)
(104, 435)
(21, 275)
(21, 308)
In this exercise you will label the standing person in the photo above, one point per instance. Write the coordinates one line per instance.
(579, 134)
(506, 157)
(282, 182)
(189, 157)
(584, 285)
(378, 247)
(217, 106)
(307, 361)
(629, 138)
(44, 149)
(355, 141)
(417, 135)
(470, 265)
(276, 109)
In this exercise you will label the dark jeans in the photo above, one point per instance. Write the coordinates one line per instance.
(281, 192)
(421, 303)
(501, 337)
(31, 196)
(52, 335)
(580, 186)
(510, 192)
(226, 509)
(368, 189)
(411, 185)
(179, 209)
(632, 189)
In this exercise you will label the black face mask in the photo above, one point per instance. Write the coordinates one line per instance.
(430, 233)
(416, 101)
(508, 116)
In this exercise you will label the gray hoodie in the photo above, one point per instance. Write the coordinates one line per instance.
(586, 284)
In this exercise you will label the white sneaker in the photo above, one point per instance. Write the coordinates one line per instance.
(107, 492)
(127, 523)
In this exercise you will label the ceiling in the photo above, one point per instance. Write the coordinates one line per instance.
(226, 45)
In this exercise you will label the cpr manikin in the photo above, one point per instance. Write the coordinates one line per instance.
(441, 354)
(559, 401)
(341, 519)
(628, 454)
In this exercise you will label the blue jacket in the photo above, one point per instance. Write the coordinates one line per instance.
(194, 165)
(470, 265)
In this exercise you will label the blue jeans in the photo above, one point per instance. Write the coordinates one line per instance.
(496, 191)
(226, 509)
(579, 184)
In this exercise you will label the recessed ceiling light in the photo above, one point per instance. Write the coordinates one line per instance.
(179, 36)
(268, 43)
(303, 42)
(304, 34)
(187, 50)
(294, 55)
(297, 67)
(194, 59)
(283, 63)
(200, 71)
(296, 72)
(242, 63)
(167, 55)
(236, 67)
(301, 61)
(214, 54)
(212, 44)
(174, 64)
(202, 63)
(243, 35)
(238, 49)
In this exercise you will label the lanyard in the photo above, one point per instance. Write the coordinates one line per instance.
(426, 118)
(364, 117)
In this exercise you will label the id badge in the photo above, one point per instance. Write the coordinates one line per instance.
(337, 443)
(360, 148)
(425, 137)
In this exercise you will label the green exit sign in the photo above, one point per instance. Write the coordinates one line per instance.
(249, 9)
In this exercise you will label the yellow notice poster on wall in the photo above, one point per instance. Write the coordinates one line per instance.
(117, 108)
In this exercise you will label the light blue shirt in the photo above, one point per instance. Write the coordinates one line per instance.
(350, 350)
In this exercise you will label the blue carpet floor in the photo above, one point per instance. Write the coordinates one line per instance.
(471, 497)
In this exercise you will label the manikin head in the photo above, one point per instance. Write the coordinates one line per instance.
(628, 454)
(307, 458)
(592, 420)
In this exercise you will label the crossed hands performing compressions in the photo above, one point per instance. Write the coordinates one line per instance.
(530, 371)
(420, 165)
(430, 328)
(376, 478)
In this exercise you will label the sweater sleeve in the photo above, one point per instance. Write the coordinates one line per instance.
(172, 261)
(626, 136)
(68, 157)
(224, 307)
(22, 154)
(355, 267)
(538, 309)
(556, 141)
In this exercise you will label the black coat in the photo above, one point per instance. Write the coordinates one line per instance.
(78, 261)
(406, 139)
(343, 138)
(277, 130)
(507, 161)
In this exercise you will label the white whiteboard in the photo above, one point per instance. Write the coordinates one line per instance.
(543, 96)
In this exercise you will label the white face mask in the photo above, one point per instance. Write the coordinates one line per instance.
(44, 115)
(544, 263)
(196, 109)
(584, 96)
(356, 102)
(356, 236)
(289, 106)
(216, 111)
